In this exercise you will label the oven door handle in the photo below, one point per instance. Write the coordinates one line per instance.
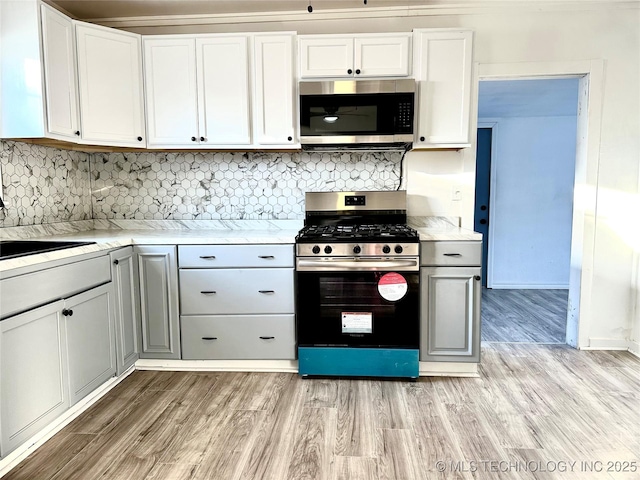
(349, 264)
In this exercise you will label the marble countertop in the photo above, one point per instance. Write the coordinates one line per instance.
(110, 235)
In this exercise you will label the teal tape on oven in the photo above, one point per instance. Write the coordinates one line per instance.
(359, 362)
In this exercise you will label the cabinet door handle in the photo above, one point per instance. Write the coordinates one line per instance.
(267, 292)
(267, 338)
(67, 312)
(452, 254)
(349, 71)
(208, 257)
(202, 139)
(357, 71)
(77, 132)
(193, 139)
(116, 262)
(289, 138)
(477, 277)
(208, 292)
(422, 139)
(209, 338)
(266, 257)
(139, 139)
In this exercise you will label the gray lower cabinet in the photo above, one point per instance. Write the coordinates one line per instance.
(90, 330)
(236, 302)
(450, 301)
(450, 314)
(159, 315)
(124, 276)
(33, 373)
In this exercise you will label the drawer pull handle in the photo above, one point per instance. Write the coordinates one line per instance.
(208, 292)
(208, 257)
(266, 257)
(209, 338)
(452, 254)
(267, 292)
(267, 338)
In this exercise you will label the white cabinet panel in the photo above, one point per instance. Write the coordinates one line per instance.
(382, 55)
(443, 62)
(223, 90)
(326, 56)
(58, 45)
(33, 373)
(110, 79)
(275, 92)
(171, 93)
(89, 325)
(244, 256)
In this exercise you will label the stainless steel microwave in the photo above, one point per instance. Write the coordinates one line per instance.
(357, 113)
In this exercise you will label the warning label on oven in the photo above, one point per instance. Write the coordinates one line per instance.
(357, 322)
(392, 286)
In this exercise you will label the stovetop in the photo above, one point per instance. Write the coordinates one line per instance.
(341, 233)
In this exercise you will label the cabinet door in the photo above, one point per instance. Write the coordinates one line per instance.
(158, 281)
(450, 314)
(443, 70)
(127, 312)
(171, 94)
(275, 92)
(58, 45)
(110, 79)
(223, 90)
(33, 373)
(89, 321)
(326, 56)
(382, 55)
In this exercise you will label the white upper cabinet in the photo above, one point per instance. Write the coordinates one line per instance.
(442, 63)
(275, 93)
(110, 79)
(374, 55)
(223, 90)
(171, 93)
(61, 93)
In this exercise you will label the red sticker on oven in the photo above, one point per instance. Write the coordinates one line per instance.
(392, 287)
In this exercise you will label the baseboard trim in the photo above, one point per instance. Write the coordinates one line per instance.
(634, 348)
(286, 366)
(607, 344)
(448, 369)
(35, 442)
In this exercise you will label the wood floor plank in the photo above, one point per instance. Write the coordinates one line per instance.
(171, 471)
(321, 393)
(354, 468)
(270, 456)
(398, 457)
(313, 445)
(227, 452)
(51, 457)
(356, 434)
(389, 404)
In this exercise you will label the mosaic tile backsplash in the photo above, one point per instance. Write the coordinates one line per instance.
(47, 185)
(43, 185)
(242, 185)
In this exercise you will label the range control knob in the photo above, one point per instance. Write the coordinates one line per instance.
(328, 249)
(386, 249)
(357, 249)
(398, 249)
(316, 249)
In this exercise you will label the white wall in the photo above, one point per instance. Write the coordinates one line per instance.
(609, 31)
(534, 164)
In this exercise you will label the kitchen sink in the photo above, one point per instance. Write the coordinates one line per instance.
(20, 248)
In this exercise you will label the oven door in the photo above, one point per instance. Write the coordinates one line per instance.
(358, 309)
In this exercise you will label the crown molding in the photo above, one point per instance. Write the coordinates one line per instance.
(469, 7)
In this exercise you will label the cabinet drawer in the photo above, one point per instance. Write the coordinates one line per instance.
(238, 337)
(451, 253)
(222, 291)
(224, 256)
(33, 289)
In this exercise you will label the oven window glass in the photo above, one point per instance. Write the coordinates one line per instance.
(324, 297)
(362, 114)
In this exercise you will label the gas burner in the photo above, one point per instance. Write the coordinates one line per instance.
(350, 233)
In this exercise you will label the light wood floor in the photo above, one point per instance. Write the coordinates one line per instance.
(529, 316)
(532, 403)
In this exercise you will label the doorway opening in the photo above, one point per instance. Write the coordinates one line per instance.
(525, 175)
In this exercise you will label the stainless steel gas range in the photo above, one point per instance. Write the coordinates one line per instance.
(358, 284)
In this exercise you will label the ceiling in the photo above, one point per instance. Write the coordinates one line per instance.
(528, 98)
(94, 10)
